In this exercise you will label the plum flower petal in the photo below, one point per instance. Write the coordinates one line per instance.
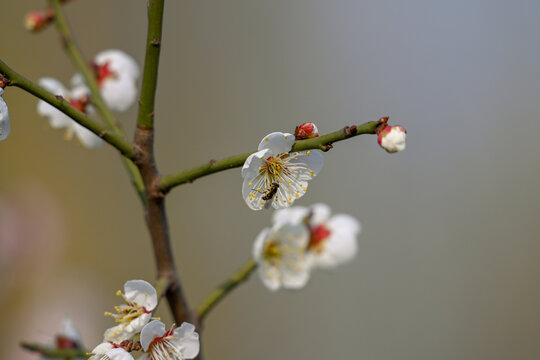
(140, 300)
(280, 253)
(107, 351)
(275, 176)
(57, 119)
(117, 75)
(173, 344)
(332, 238)
(4, 118)
(392, 138)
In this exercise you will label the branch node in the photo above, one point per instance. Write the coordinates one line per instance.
(327, 147)
(212, 162)
(156, 42)
(59, 97)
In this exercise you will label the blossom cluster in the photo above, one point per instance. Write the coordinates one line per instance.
(116, 74)
(137, 331)
(300, 240)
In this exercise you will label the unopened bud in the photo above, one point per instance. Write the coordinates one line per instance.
(306, 131)
(392, 138)
(37, 20)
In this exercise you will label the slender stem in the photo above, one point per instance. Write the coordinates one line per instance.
(151, 64)
(49, 352)
(17, 80)
(224, 289)
(81, 65)
(322, 143)
(155, 212)
(76, 57)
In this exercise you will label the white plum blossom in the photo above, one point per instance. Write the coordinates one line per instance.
(140, 301)
(78, 97)
(4, 118)
(392, 138)
(280, 253)
(107, 351)
(116, 74)
(159, 343)
(274, 175)
(332, 239)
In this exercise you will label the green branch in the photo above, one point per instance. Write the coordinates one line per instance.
(81, 65)
(151, 63)
(54, 352)
(219, 294)
(322, 143)
(17, 80)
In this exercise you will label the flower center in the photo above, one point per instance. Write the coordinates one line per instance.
(319, 234)
(274, 166)
(103, 72)
(272, 252)
(161, 348)
(127, 313)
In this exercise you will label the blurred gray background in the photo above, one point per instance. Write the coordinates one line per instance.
(450, 250)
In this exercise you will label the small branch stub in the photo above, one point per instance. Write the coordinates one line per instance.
(4, 81)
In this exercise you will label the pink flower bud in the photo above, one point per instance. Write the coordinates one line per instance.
(392, 138)
(37, 20)
(306, 131)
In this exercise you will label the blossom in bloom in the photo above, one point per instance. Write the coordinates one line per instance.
(4, 117)
(107, 351)
(140, 300)
(280, 252)
(332, 240)
(274, 175)
(306, 131)
(78, 97)
(116, 74)
(159, 343)
(392, 138)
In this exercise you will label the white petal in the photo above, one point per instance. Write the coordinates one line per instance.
(119, 354)
(4, 119)
(258, 245)
(119, 93)
(295, 214)
(307, 163)
(141, 293)
(86, 137)
(270, 277)
(252, 164)
(119, 62)
(101, 349)
(186, 340)
(320, 213)
(294, 235)
(151, 331)
(253, 190)
(53, 86)
(338, 249)
(345, 223)
(277, 143)
(297, 278)
(138, 323)
(118, 333)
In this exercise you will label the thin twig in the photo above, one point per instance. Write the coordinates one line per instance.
(224, 289)
(17, 80)
(156, 215)
(322, 143)
(78, 61)
(49, 352)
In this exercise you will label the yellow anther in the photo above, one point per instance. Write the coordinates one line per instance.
(308, 152)
(119, 292)
(311, 172)
(250, 184)
(262, 202)
(286, 136)
(266, 139)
